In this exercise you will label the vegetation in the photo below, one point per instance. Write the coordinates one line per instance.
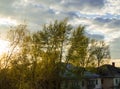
(36, 59)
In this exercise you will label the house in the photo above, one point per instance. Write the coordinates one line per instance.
(110, 76)
(107, 77)
(73, 79)
(70, 80)
(89, 81)
(92, 81)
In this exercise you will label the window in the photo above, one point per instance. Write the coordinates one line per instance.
(75, 83)
(91, 82)
(82, 83)
(66, 84)
(96, 82)
(102, 81)
(116, 81)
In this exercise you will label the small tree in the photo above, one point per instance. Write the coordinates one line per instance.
(100, 50)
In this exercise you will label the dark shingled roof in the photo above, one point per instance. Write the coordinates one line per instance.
(88, 74)
(109, 71)
(73, 72)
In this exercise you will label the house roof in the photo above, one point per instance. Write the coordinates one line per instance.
(88, 74)
(73, 72)
(70, 71)
(109, 71)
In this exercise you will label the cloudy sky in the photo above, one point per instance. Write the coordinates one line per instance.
(101, 17)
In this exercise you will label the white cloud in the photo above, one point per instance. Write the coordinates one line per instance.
(112, 6)
(101, 17)
(8, 21)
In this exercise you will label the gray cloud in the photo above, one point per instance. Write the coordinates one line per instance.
(92, 13)
(84, 4)
(111, 23)
(115, 48)
(6, 7)
(95, 36)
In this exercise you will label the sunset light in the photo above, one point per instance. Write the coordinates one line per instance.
(4, 46)
(60, 44)
(7, 21)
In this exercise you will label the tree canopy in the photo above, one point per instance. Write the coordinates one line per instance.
(39, 61)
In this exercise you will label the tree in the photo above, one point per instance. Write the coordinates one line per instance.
(79, 44)
(53, 39)
(100, 50)
(16, 36)
(40, 53)
(38, 61)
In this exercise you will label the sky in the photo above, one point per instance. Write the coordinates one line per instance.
(101, 17)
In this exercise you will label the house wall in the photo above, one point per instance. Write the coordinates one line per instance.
(70, 84)
(93, 83)
(116, 81)
(107, 83)
(84, 84)
(98, 84)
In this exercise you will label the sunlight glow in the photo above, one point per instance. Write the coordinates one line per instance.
(7, 21)
(4, 46)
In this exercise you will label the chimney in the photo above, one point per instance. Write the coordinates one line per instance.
(113, 64)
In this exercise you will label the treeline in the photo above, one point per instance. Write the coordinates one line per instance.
(35, 60)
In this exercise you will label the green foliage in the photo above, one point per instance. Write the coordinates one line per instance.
(37, 63)
(79, 44)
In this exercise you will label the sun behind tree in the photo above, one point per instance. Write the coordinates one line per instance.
(4, 46)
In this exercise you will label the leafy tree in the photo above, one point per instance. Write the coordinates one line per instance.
(35, 60)
(16, 36)
(80, 52)
(79, 44)
(53, 39)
